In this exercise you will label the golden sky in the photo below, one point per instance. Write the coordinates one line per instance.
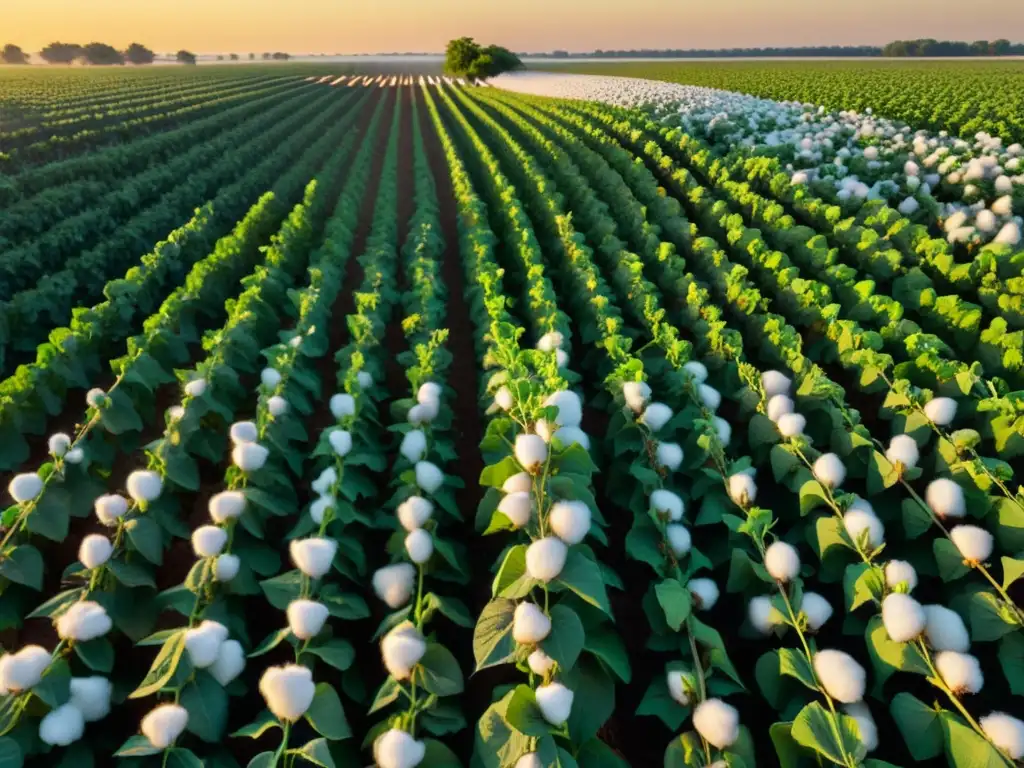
(345, 26)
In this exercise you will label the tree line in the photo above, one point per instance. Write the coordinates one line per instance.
(895, 49)
(101, 54)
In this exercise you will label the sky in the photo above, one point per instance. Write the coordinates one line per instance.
(345, 26)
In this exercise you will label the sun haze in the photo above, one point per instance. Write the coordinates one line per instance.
(334, 26)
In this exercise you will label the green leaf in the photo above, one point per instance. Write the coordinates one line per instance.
(120, 415)
(582, 576)
(965, 748)
(259, 726)
(270, 642)
(57, 604)
(137, 746)
(55, 687)
(566, 639)
(789, 752)
(592, 685)
(762, 431)
(10, 754)
(263, 760)
(658, 702)
(179, 757)
(575, 460)
(131, 574)
(1013, 569)
(919, 725)
(147, 538)
(97, 654)
(812, 496)
(207, 705)
(440, 671)
(950, 562)
(863, 583)
(899, 656)
(24, 565)
(524, 714)
(830, 736)
(512, 580)
(388, 692)
(337, 652)
(675, 601)
(51, 514)
(916, 519)
(326, 715)
(281, 590)
(451, 607)
(795, 664)
(881, 474)
(437, 755)
(829, 536)
(607, 645)
(317, 752)
(181, 469)
(495, 475)
(989, 618)
(163, 668)
(492, 636)
(744, 573)
(783, 462)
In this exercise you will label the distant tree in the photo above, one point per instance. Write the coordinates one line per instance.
(185, 57)
(102, 54)
(12, 54)
(1001, 47)
(234, 57)
(61, 53)
(266, 57)
(460, 55)
(280, 56)
(138, 54)
(464, 58)
(252, 57)
(220, 57)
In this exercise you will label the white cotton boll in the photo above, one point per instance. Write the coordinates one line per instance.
(62, 726)
(857, 520)
(570, 408)
(545, 558)
(817, 610)
(249, 457)
(530, 624)
(163, 724)
(779, 406)
(325, 481)
(342, 405)
(95, 550)
(870, 153)
(424, 413)
(679, 540)
(414, 445)
(419, 546)
(555, 702)
(270, 378)
(709, 396)
(517, 507)
(306, 618)
(697, 370)
(24, 669)
(782, 561)
(903, 450)
(402, 648)
(341, 442)
(203, 643)
(414, 512)
(668, 505)
(74, 456)
(561, 358)
(1006, 732)
(96, 398)
(656, 416)
(723, 430)
(941, 410)
(503, 399)
(550, 341)
(704, 593)
(313, 556)
(903, 617)
(945, 629)
(531, 452)
(1003, 206)
(428, 392)
(394, 583)
(900, 572)
(521, 482)
(775, 383)
(175, 413)
(91, 697)
(1009, 235)
(25, 487)
(288, 691)
(540, 663)
(226, 505)
(277, 406)
(840, 675)
(829, 470)
(209, 540)
(58, 444)
(636, 395)
(909, 206)
(960, 671)
(677, 680)
(791, 424)
(144, 485)
(742, 489)
(946, 498)
(545, 429)
(974, 543)
(669, 455)
(110, 508)
(717, 722)
(195, 388)
(429, 476)
(570, 521)
(229, 663)
(986, 221)
(530, 760)
(83, 621)
(569, 436)
(865, 724)
(364, 379)
(244, 432)
(397, 749)
(759, 611)
(226, 567)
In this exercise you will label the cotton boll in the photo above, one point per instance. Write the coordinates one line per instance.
(402, 648)
(23, 670)
(697, 370)
(717, 722)
(313, 556)
(974, 543)
(909, 206)
(74, 456)
(414, 445)
(96, 398)
(679, 540)
(419, 546)
(341, 442)
(306, 618)
(175, 413)
(429, 476)
(62, 726)
(865, 724)
(244, 432)
(829, 470)
(960, 671)
(791, 424)
(555, 702)
(1006, 732)
(945, 629)
(414, 512)
(503, 399)
(570, 408)
(83, 621)
(226, 505)
(163, 724)
(229, 663)
(195, 388)
(397, 749)
(270, 378)
(288, 691)
(704, 593)
(679, 685)
(986, 221)
(903, 617)
(669, 455)
(91, 697)
(667, 505)
(709, 396)
(531, 452)
(941, 410)
(570, 521)
(840, 675)
(530, 624)
(759, 612)
(325, 481)
(95, 550)
(1003, 206)
(249, 457)
(342, 406)
(394, 584)
(946, 498)
(742, 489)
(521, 482)
(58, 444)
(779, 406)
(517, 507)
(723, 430)
(550, 341)
(209, 540)
(656, 416)
(900, 572)
(203, 643)
(540, 663)
(817, 610)
(226, 567)
(364, 379)
(277, 406)
(545, 429)
(429, 391)
(424, 413)
(782, 561)
(530, 760)
(636, 395)
(561, 358)
(858, 519)
(25, 487)
(775, 383)
(144, 485)
(569, 436)
(545, 558)
(1009, 235)
(903, 450)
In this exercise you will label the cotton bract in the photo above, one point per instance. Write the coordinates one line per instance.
(91, 697)
(414, 512)
(313, 556)
(570, 520)
(903, 617)
(414, 445)
(941, 410)
(704, 592)
(717, 722)
(25, 487)
(209, 540)
(669, 455)
(530, 624)
(960, 671)
(95, 550)
(517, 507)
(841, 676)
(163, 724)
(1006, 732)
(229, 663)
(555, 702)
(946, 498)
(288, 691)
(742, 489)
(429, 476)
(402, 648)
(397, 749)
(829, 470)
(656, 416)
(144, 485)
(782, 561)
(249, 457)
(226, 505)
(667, 504)
(419, 546)
(545, 558)
(974, 543)
(903, 450)
(945, 629)
(83, 621)
(306, 618)
(394, 583)
(531, 452)
(203, 643)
